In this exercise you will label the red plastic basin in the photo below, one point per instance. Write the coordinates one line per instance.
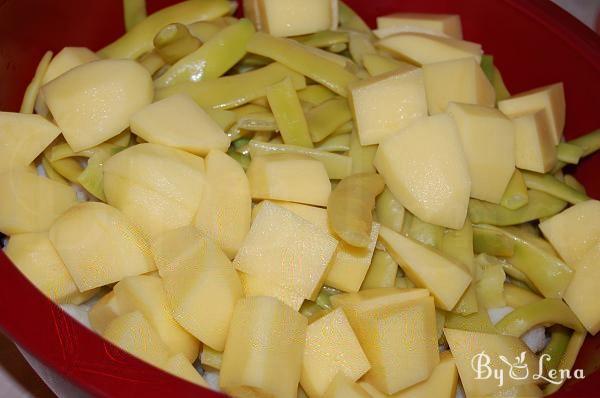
(534, 43)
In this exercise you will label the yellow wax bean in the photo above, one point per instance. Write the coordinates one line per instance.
(377, 64)
(428, 234)
(556, 348)
(288, 112)
(324, 119)
(515, 195)
(174, 42)
(573, 183)
(389, 211)
(350, 19)
(152, 61)
(567, 361)
(50, 172)
(569, 153)
(232, 91)
(261, 121)
(68, 168)
(315, 94)
(382, 272)
(551, 185)
(362, 156)
(33, 89)
(134, 12)
(324, 38)
(359, 46)
(204, 30)
(139, 39)
(296, 56)
(337, 143)
(516, 296)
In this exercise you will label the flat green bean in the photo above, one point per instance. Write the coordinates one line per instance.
(551, 185)
(324, 38)
(556, 348)
(134, 12)
(324, 119)
(569, 153)
(335, 143)
(288, 112)
(389, 211)
(515, 195)
(174, 42)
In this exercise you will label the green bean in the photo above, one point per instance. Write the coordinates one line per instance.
(315, 94)
(139, 39)
(225, 119)
(249, 109)
(92, 177)
(297, 57)
(350, 206)
(546, 272)
(540, 205)
(573, 183)
(335, 143)
(468, 303)
(204, 30)
(213, 58)
(337, 48)
(33, 89)
(324, 38)
(362, 156)
(134, 12)
(50, 172)
(310, 309)
(382, 271)
(428, 234)
(567, 361)
(552, 186)
(492, 242)
(152, 61)
(243, 160)
(569, 153)
(359, 46)
(262, 121)
(337, 166)
(590, 142)
(351, 20)
(548, 311)
(515, 195)
(378, 64)
(232, 91)
(490, 282)
(389, 211)
(559, 340)
(487, 65)
(458, 244)
(69, 168)
(288, 112)
(476, 322)
(517, 297)
(324, 119)
(174, 42)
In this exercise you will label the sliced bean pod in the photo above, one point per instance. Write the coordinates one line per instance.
(324, 119)
(515, 195)
(490, 282)
(359, 46)
(263, 121)
(556, 348)
(552, 186)
(389, 211)
(382, 271)
(92, 177)
(204, 30)
(335, 143)
(288, 112)
(458, 244)
(569, 153)
(475, 322)
(315, 94)
(351, 20)
(493, 242)
(152, 61)
(590, 142)
(517, 297)
(428, 234)
(573, 183)
(50, 172)
(134, 12)
(362, 156)
(567, 361)
(69, 168)
(377, 64)
(324, 38)
(174, 42)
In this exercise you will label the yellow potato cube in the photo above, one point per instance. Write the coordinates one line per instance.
(574, 231)
(67, 59)
(225, 208)
(93, 102)
(343, 387)
(178, 365)
(422, 49)
(287, 250)
(284, 18)
(382, 271)
(34, 255)
(264, 350)
(583, 293)
(31, 203)
(178, 122)
(257, 285)
(535, 149)
(157, 187)
(99, 245)
(488, 139)
(425, 167)
(384, 104)
(146, 294)
(446, 279)
(288, 177)
(459, 80)
(448, 24)
(331, 347)
(22, 138)
(134, 334)
(211, 358)
(468, 349)
(549, 98)
(104, 311)
(202, 298)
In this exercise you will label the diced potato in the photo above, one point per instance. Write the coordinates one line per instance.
(331, 347)
(343, 387)
(384, 104)
(351, 264)
(382, 271)
(104, 311)
(157, 187)
(575, 231)
(178, 122)
(466, 346)
(488, 139)
(446, 279)
(31, 203)
(178, 365)
(225, 208)
(99, 245)
(448, 24)
(146, 294)
(202, 298)
(258, 285)
(460, 80)
(93, 102)
(423, 49)
(425, 167)
(583, 293)
(34, 255)
(134, 334)
(535, 149)
(22, 138)
(284, 18)
(288, 177)
(400, 343)
(549, 98)
(67, 59)
(287, 250)
(264, 350)
(211, 358)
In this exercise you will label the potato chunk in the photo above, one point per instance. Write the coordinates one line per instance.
(488, 139)
(343, 387)
(104, 311)
(178, 122)
(583, 293)
(448, 24)
(99, 245)
(331, 347)
(535, 149)
(264, 350)
(425, 167)
(284, 18)
(158, 187)
(460, 80)
(384, 104)
(22, 138)
(93, 102)
(67, 59)
(178, 365)
(549, 98)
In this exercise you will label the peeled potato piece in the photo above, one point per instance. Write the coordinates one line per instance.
(67, 59)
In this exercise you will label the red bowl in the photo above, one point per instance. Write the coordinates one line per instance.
(533, 42)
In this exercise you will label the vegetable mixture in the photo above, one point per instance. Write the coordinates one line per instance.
(292, 204)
